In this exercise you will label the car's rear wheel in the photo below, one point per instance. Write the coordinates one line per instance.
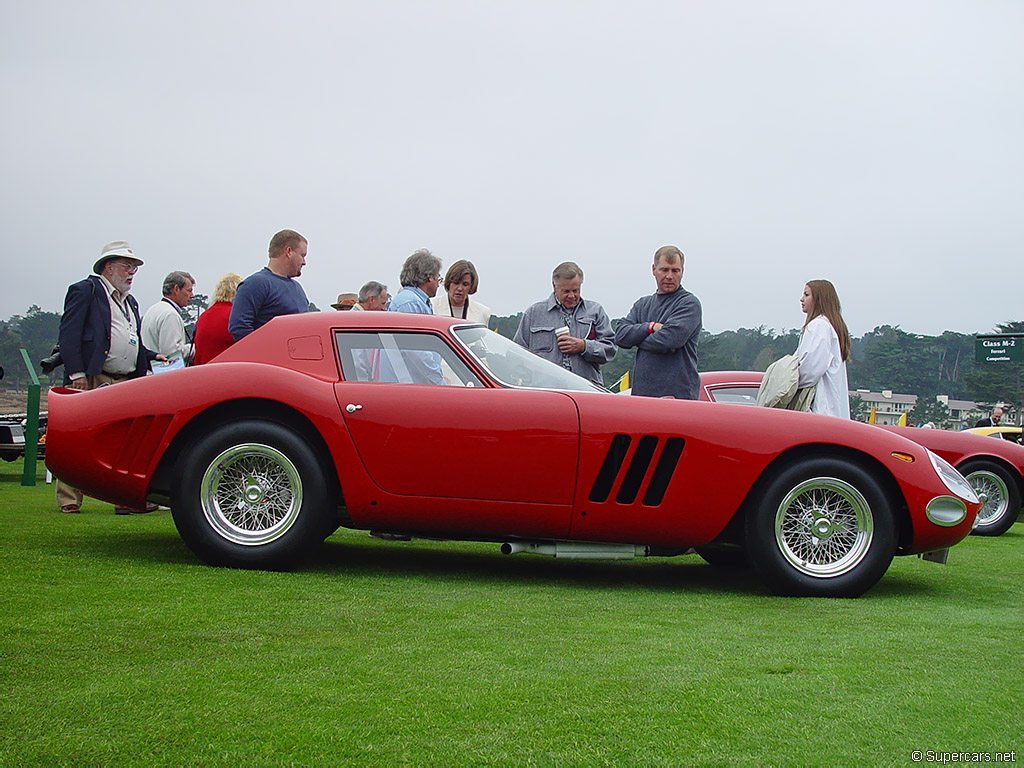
(252, 494)
(1002, 496)
(821, 528)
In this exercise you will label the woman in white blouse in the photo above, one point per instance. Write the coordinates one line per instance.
(824, 349)
(460, 282)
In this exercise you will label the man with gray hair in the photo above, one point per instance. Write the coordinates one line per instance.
(421, 274)
(373, 297)
(420, 277)
(566, 329)
(163, 328)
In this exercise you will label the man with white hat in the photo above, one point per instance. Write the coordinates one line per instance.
(100, 335)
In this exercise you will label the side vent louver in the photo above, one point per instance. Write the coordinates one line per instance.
(610, 468)
(663, 471)
(637, 470)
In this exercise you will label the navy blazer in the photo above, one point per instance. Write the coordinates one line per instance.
(85, 329)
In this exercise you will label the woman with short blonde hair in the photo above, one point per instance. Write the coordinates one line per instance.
(212, 336)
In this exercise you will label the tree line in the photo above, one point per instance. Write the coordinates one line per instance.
(884, 358)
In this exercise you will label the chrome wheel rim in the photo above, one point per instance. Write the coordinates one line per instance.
(251, 494)
(997, 495)
(824, 527)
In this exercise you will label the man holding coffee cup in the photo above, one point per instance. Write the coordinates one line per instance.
(566, 329)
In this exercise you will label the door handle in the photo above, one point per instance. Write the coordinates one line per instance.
(352, 408)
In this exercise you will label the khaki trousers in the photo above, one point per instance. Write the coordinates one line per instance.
(68, 494)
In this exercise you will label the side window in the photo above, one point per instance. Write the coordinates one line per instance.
(402, 358)
(736, 395)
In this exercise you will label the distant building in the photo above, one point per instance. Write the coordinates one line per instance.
(890, 406)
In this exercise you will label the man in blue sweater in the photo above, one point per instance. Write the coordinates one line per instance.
(272, 291)
(664, 328)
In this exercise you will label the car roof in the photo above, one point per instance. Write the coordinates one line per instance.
(716, 378)
(310, 322)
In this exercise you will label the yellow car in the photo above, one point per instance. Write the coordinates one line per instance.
(1013, 434)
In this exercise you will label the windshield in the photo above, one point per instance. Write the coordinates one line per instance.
(510, 364)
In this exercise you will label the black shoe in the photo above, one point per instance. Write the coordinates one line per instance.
(122, 511)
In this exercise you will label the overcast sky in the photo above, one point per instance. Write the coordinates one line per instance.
(875, 144)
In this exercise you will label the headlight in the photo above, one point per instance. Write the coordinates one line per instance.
(953, 479)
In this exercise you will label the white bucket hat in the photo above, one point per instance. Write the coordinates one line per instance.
(119, 249)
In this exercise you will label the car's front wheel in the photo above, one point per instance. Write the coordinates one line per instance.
(821, 528)
(1002, 497)
(252, 494)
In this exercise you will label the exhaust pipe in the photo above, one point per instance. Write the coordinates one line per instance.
(577, 550)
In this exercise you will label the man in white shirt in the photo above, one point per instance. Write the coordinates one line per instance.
(163, 329)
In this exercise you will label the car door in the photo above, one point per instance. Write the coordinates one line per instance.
(461, 439)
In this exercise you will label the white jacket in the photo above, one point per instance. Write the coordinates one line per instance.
(821, 364)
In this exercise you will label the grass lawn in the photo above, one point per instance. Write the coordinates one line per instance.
(118, 648)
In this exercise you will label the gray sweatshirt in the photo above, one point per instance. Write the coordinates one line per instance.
(666, 360)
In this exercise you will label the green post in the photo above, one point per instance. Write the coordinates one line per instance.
(28, 474)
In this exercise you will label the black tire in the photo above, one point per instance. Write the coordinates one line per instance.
(1002, 504)
(724, 555)
(822, 527)
(252, 494)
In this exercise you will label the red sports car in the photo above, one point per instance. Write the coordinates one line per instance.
(994, 468)
(415, 425)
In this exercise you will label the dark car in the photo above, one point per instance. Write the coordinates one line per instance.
(12, 436)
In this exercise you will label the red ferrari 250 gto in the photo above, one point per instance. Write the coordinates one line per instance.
(423, 426)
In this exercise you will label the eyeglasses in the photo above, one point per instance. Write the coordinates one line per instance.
(128, 266)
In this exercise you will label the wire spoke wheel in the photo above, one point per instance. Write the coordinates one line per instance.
(997, 495)
(251, 494)
(999, 486)
(824, 527)
(254, 493)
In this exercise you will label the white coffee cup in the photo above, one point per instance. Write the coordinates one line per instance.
(560, 332)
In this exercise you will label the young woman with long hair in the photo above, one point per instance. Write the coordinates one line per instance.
(824, 349)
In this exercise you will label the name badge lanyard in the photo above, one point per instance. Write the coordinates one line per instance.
(133, 332)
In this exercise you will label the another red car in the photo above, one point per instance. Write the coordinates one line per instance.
(994, 468)
(415, 425)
